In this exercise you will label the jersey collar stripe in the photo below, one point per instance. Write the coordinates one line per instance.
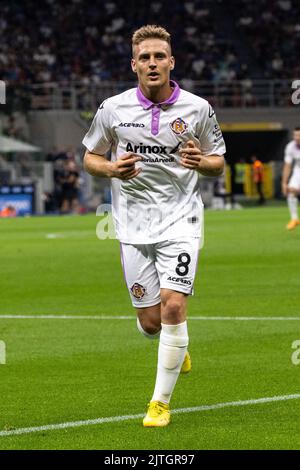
(147, 104)
(155, 120)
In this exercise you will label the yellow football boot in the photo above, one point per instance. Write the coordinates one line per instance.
(293, 224)
(187, 364)
(158, 415)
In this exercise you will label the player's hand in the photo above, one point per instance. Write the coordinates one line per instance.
(124, 168)
(284, 189)
(191, 156)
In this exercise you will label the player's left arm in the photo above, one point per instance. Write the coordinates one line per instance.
(207, 165)
(207, 155)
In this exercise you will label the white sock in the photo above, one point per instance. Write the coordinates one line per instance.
(292, 201)
(172, 348)
(148, 335)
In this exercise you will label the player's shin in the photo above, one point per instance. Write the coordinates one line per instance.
(293, 206)
(172, 348)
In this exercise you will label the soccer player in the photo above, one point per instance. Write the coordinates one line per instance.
(161, 138)
(291, 187)
(258, 177)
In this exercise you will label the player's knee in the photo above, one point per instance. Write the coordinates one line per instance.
(148, 328)
(173, 309)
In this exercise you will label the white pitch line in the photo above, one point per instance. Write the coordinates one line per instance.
(114, 419)
(246, 318)
(132, 317)
(69, 317)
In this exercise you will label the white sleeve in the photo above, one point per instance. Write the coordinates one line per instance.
(99, 137)
(210, 134)
(288, 155)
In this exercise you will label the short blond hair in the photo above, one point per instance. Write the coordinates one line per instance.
(150, 31)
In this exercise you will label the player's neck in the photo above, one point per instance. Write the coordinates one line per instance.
(157, 95)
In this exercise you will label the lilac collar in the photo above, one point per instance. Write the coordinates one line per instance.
(146, 103)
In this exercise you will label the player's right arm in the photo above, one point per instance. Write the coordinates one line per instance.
(123, 168)
(287, 168)
(99, 140)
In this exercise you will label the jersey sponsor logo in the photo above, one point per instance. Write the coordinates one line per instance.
(138, 291)
(175, 149)
(142, 148)
(178, 279)
(179, 126)
(131, 124)
(159, 160)
(217, 133)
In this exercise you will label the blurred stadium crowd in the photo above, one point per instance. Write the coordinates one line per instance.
(80, 41)
(56, 55)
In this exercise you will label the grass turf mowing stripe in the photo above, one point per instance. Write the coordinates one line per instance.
(112, 419)
(133, 317)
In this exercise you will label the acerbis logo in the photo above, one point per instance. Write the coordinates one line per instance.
(131, 124)
(141, 148)
(178, 279)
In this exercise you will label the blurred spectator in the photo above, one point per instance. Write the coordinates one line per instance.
(12, 129)
(8, 211)
(69, 188)
(86, 43)
(258, 177)
(58, 177)
(25, 166)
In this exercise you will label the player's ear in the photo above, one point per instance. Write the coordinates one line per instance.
(133, 65)
(172, 63)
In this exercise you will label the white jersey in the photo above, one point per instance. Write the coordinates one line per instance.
(292, 155)
(163, 202)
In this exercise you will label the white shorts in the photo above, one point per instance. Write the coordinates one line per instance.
(171, 264)
(294, 181)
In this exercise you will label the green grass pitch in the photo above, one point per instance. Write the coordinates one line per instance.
(66, 370)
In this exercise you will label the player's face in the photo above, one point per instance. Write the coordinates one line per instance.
(297, 137)
(152, 62)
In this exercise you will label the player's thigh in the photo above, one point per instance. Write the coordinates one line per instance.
(140, 275)
(294, 184)
(176, 264)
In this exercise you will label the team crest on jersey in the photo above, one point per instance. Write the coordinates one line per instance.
(179, 126)
(138, 290)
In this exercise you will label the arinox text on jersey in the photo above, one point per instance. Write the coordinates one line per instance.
(158, 149)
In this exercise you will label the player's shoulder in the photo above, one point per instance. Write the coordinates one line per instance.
(201, 104)
(126, 97)
(290, 146)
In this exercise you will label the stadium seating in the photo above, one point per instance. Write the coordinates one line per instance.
(90, 42)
